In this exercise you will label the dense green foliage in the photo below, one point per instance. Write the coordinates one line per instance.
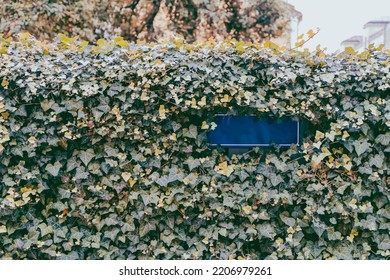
(103, 152)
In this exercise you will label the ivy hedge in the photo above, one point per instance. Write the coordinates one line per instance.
(104, 153)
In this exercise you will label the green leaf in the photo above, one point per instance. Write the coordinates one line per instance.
(276, 179)
(111, 234)
(71, 164)
(377, 160)
(286, 219)
(86, 156)
(191, 132)
(45, 229)
(361, 146)
(145, 228)
(332, 234)
(192, 163)
(53, 169)
(383, 241)
(266, 230)
(369, 223)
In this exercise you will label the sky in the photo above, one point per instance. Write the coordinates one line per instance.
(338, 19)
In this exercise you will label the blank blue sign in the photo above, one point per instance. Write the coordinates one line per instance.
(249, 131)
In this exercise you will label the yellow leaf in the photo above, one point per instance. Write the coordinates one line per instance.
(68, 40)
(299, 43)
(101, 42)
(24, 35)
(290, 230)
(380, 47)
(226, 98)
(202, 102)
(144, 96)
(3, 50)
(45, 51)
(173, 137)
(193, 103)
(126, 176)
(118, 39)
(132, 182)
(161, 112)
(4, 83)
(271, 45)
(247, 209)
(205, 240)
(128, 179)
(352, 203)
(84, 43)
(205, 125)
(240, 50)
(122, 43)
(350, 50)
(310, 33)
(325, 151)
(352, 235)
(224, 169)
(3, 229)
(345, 135)
(321, 55)
(158, 152)
(319, 135)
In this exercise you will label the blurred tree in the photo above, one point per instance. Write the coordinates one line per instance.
(148, 20)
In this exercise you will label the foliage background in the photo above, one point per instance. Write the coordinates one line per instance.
(103, 152)
(147, 20)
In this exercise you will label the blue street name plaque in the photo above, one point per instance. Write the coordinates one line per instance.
(249, 131)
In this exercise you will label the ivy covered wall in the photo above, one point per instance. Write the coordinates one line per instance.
(103, 152)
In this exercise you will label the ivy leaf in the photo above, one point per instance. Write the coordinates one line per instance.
(286, 219)
(332, 234)
(361, 146)
(383, 241)
(276, 179)
(45, 229)
(111, 234)
(192, 163)
(377, 160)
(328, 78)
(228, 201)
(53, 169)
(145, 228)
(163, 181)
(266, 230)
(369, 223)
(224, 169)
(191, 132)
(87, 156)
(71, 164)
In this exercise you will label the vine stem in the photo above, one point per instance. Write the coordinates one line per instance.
(307, 40)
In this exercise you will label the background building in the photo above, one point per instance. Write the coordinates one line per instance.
(375, 32)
